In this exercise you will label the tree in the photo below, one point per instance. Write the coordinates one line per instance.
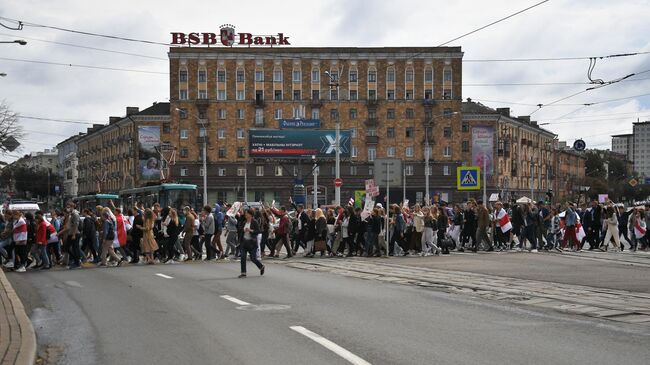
(9, 126)
(594, 165)
(25, 179)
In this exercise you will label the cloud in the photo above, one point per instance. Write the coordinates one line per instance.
(554, 29)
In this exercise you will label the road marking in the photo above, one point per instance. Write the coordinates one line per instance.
(352, 358)
(235, 300)
(164, 276)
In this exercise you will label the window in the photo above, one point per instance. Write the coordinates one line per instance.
(390, 132)
(447, 113)
(390, 94)
(408, 170)
(315, 75)
(390, 114)
(445, 170)
(334, 75)
(221, 114)
(353, 113)
(259, 75)
(315, 94)
(409, 151)
(221, 95)
(241, 152)
(354, 151)
(222, 153)
(221, 133)
(184, 134)
(183, 171)
(259, 170)
(408, 95)
(353, 75)
(465, 127)
(167, 128)
(184, 152)
(240, 133)
(372, 154)
(446, 94)
(447, 132)
(371, 132)
(315, 114)
(241, 171)
(259, 117)
(277, 114)
(221, 76)
(408, 76)
(390, 75)
(221, 171)
(182, 95)
(240, 95)
(333, 171)
(446, 151)
(334, 113)
(182, 76)
(277, 95)
(353, 170)
(202, 76)
(390, 151)
(428, 75)
(201, 132)
(182, 113)
(353, 132)
(372, 76)
(409, 113)
(354, 95)
(239, 113)
(278, 170)
(371, 170)
(296, 95)
(201, 115)
(428, 94)
(409, 132)
(240, 76)
(372, 94)
(297, 76)
(334, 95)
(277, 75)
(372, 114)
(446, 75)
(299, 112)
(203, 94)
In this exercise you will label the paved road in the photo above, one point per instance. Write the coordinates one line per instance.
(131, 315)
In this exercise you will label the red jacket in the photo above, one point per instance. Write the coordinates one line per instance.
(122, 222)
(41, 233)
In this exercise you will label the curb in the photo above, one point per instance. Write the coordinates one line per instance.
(27, 351)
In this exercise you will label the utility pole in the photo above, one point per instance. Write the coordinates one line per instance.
(485, 180)
(387, 225)
(334, 82)
(315, 171)
(246, 182)
(404, 184)
(532, 179)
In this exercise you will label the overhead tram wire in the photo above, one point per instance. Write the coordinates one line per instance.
(83, 66)
(71, 121)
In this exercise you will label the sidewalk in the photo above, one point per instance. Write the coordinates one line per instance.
(17, 338)
(610, 304)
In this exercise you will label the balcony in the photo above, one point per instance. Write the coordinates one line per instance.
(372, 103)
(259, 103)
(428, 103)
(202, 102)
(316, 103)
(202, 121)
(371, 122)
(202, 139)
(372, 139)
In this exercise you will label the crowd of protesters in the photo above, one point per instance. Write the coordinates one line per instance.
(106, 236)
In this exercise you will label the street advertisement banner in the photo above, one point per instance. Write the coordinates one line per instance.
(299, 123)
(483, 148)
(266, 143)
(149, 161)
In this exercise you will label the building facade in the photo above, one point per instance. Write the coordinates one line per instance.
(522, 152)
(109, 154)
(623, 144)
(641, 148)
(67, 163)
(570, 173)
(391, 100)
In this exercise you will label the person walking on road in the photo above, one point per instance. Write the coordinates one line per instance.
(188, 230)
(149, 245)
(570, 221)
(483, 222)
(249, 243)
(612, 230)
(108, 236)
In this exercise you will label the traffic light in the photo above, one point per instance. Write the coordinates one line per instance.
(549, 195)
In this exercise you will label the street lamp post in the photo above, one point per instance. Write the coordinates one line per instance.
(204, 153)
(334, 82)
(22, 42)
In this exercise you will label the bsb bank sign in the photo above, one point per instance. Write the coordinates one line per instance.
(228, 38)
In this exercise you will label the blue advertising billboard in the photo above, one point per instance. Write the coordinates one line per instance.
(264, 143)
(299, 123)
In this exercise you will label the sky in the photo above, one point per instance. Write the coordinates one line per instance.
(555, 29)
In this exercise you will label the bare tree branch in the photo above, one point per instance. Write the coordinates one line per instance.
(9, 125)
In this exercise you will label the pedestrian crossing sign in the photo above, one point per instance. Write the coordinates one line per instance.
(468, 178)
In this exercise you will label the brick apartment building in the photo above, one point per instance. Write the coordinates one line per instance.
(389, 99)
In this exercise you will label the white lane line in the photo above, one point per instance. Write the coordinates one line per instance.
(164, 276)
(234, 300)
(352, 358)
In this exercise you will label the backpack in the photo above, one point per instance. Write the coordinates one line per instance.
(111, 230)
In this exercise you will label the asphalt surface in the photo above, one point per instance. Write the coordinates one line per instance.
(130, 315)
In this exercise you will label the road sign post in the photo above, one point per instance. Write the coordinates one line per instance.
(468, 178)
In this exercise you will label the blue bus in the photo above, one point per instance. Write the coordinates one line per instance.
(93, 200)
(176, 196)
